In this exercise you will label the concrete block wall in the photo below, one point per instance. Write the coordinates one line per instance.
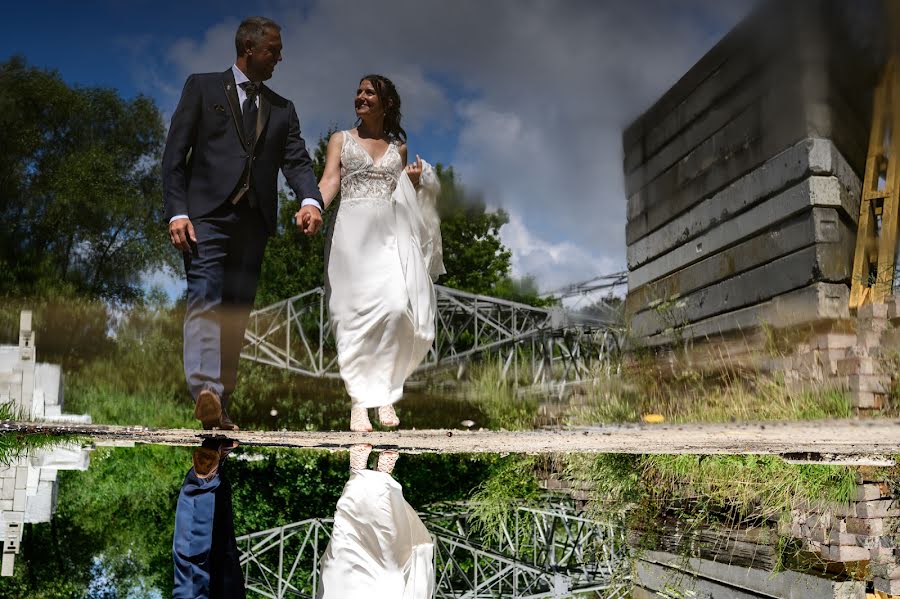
(743, 180)
(28, 493)
(861, 362)
(859, 541)
(28, 486)
(862, 533)
(659, 573)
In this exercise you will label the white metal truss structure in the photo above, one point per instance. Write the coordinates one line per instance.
(541, 553)
(555, 345)
(284, 561)
(544, 553)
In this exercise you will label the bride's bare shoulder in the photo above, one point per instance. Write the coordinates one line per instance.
(337, 138)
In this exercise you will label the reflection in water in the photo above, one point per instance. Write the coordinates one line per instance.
(379, 546)
(204, 548)
(28, 492)
(534, 528)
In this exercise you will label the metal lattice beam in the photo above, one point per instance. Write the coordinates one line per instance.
(544, 553)
(557, 346)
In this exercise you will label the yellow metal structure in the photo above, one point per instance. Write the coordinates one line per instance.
(876, 239)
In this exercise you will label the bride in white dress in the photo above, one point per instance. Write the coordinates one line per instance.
(379, 548)
(380, 255)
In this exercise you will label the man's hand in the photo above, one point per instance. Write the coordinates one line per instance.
(309, 219)
(181, 234)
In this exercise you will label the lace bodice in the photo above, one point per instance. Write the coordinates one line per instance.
(362, 177)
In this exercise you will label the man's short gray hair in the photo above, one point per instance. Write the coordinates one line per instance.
(253, 29)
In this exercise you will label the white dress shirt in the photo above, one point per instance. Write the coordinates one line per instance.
(239, 78)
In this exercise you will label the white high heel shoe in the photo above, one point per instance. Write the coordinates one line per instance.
(359, 456)
(387, 416)
(386, 461)
(359, 420)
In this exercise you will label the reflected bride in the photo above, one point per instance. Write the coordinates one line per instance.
(379, 548)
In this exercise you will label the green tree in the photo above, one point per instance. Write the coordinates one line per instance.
(80, 187)
(475, 258)
(524, 290)
(294, 262)
(610, 306)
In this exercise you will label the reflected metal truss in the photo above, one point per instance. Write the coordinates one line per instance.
(284, 561)
(553, 553)
(556, 346)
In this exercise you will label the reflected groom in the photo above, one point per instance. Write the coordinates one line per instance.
(230, 134)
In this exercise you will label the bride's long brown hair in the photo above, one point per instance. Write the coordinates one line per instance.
(390, 101)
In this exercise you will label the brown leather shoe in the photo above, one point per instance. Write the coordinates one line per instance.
(206, 462)
(206, 458)
(208, 410)
(225, 422)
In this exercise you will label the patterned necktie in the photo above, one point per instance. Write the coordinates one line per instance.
(250, 110)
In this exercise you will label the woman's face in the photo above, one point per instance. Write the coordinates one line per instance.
(367, 101)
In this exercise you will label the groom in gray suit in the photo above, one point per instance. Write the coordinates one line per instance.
(230, 135)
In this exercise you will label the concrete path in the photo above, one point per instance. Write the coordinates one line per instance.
(845, 441)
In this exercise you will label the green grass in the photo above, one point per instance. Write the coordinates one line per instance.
(705, 492)
(110, 405)
(498, 399)
(764, 486)
(692, 396)
(512, 482)
(16, 445)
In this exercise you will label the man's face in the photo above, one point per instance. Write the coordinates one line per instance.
(261, 60)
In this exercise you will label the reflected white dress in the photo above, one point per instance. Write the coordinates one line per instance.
(379, 258)
(379, 548)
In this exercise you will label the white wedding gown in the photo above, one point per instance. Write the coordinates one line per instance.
(379, 548)
(380, 257)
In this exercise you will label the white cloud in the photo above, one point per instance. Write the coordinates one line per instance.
(532, 96)
(553, 265)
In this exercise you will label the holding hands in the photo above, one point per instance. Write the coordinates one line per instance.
(414, 171)
(308, 219)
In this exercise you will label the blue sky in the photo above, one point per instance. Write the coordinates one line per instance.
(525, 98)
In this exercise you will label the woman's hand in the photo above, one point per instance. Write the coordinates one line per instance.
(414, 171)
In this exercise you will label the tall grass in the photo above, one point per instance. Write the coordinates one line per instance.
(511, 483)
(14, 446)
(497, 397)
(721, 391)
(706, 492)
(701, 399)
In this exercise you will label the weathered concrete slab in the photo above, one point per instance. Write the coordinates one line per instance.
(839, 118)
(861, 439)
(830, 262)
(814, 191)
(727, 93)
(740, 41)
(763, 130)
(716, 579)
(809, 305)
(826, 92)
(809, 157)
(756, 79)
(819, 225)
(842, 79)
(666, 578)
